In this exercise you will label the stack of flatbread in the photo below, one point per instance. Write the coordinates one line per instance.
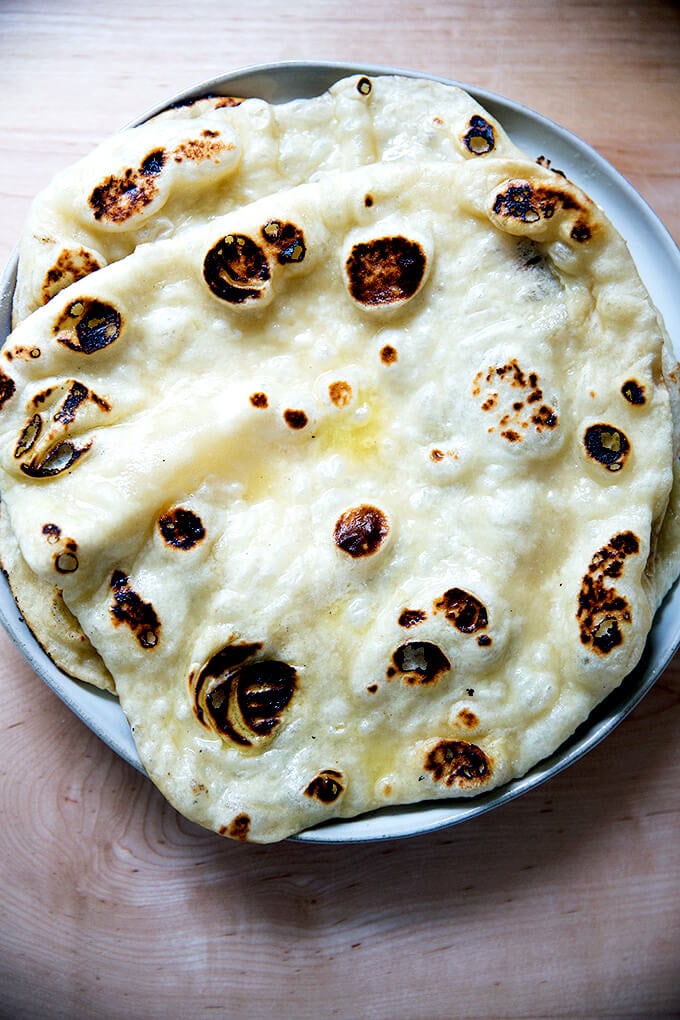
(338, 438)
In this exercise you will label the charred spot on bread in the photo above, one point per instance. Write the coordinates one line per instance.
(607, 445)
(361, 530)
(236, 269)
(385, 271)
(480, 138)
(181, 528)
(88, 325)
(419, 663)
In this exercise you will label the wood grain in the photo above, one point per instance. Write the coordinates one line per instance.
(561, 904)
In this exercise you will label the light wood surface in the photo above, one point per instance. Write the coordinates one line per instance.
(561, 904)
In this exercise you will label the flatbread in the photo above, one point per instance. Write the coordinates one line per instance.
(190, 164)
(356, 487)
(54, 626)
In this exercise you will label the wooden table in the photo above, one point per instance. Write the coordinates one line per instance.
(561, 904)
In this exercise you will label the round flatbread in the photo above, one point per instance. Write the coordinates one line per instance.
(355, 488)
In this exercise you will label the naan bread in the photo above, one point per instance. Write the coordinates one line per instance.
(190, 164)
(354, 489)
(54, 626)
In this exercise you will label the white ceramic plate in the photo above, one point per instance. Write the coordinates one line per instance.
(658, 261)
